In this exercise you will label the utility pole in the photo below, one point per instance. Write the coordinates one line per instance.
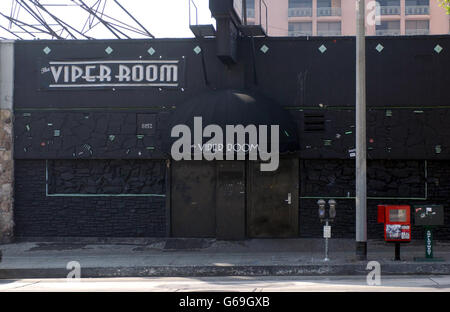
(361, 149)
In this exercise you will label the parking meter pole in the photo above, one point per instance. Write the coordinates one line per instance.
(397, 251)
(428, 242)
(322, 216)
(326, 245)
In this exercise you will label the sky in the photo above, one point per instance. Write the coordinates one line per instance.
(163, 18)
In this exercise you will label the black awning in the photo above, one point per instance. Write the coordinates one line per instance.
(234, 107)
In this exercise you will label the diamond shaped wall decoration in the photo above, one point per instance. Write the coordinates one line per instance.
(151, 51)
(322, 49)
(197, 50)
(47, 50)
(264, 49)
(379, 47)
(438, 49)
(109, 50)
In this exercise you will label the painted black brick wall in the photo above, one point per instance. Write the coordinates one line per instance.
(88, 135)
(137, 177)
(386, 179)
(39, 215)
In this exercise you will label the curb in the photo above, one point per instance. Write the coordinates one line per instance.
(205, 271)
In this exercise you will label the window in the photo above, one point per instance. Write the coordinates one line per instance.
(300, 29)
(329, 28)
(421, 27)
(389, 7)
(397, 215)
(106, 177)
(323, 3)
(300, 8)
(300, 4)
(328, 7)
(417, 7)
(388, 28)
(417, 2)
(328, 3)
(389, 2)
(250, 8)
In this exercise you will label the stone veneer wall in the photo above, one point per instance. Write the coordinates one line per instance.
(6, 141)
(6, 176)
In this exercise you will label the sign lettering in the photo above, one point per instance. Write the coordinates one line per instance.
(112, 74)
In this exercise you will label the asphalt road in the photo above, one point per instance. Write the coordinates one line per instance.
(248, 284)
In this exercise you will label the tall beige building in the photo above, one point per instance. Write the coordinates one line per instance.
(338, 17)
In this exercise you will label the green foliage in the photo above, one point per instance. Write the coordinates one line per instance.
(446, 5)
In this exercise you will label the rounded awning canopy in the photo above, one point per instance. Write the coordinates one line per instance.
(234, 107)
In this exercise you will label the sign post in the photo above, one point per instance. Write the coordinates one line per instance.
(428, 242)
(429, 216)
(326, 235)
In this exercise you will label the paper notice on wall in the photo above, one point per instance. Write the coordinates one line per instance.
(352, 153)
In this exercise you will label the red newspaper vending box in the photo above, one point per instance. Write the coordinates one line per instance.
(397, 222)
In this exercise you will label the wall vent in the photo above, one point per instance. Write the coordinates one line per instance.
(314, 122)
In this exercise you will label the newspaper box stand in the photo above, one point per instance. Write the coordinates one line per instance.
(397, 224)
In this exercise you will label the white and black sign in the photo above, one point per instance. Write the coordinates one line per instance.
(326, 231)
(112, 74)
(146, 124)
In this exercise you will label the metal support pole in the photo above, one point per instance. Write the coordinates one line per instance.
(361, 186)
(326, 246)
(397, 252)
(244, 12)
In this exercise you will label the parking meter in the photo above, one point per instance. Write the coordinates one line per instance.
(332, 212)
(321, 204)
(323, 218)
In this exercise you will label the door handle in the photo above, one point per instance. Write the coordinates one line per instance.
(289, 199)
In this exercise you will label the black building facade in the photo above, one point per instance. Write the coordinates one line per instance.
(92, 147)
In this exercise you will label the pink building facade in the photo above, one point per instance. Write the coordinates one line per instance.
(338, 17)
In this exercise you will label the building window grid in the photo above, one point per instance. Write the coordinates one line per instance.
(417, 7)
(329, 28)
(329, 8)
(417, 27)
(304, 8)
(388, 28)
(300, 8)
(300, 29)
(389, 7)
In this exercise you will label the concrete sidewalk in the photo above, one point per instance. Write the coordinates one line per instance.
(209, 257)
